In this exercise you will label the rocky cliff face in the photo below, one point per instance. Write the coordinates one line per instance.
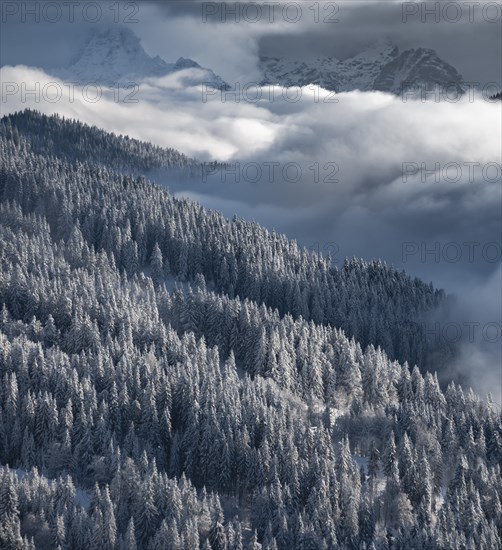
(418, 69)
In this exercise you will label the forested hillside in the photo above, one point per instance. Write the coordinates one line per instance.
(247, 407)
(74, 140)
(127, 216)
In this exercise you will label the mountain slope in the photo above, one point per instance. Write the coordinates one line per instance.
(419, 69)
(74, 140)
(369, 300)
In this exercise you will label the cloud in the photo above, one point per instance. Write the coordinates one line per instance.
(479, 316)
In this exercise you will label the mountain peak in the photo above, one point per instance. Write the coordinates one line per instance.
(186, 63)
(114, 54)
(108, 41)
(381, 46)
(115, 33)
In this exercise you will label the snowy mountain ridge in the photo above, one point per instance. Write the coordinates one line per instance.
(379, 67)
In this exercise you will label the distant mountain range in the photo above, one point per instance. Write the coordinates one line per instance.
(381, 67)
(115, 55)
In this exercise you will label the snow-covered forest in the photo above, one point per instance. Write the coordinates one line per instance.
(171, 379)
